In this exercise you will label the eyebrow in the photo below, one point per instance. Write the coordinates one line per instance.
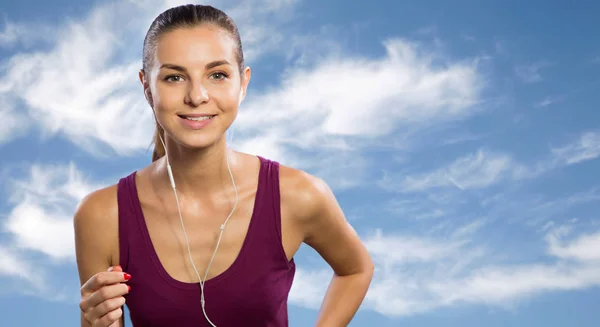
(208, 66)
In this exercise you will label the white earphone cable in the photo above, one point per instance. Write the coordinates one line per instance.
(200, 280)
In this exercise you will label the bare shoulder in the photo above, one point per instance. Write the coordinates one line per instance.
(313, 206)
(318, 215)
(96, 230)
(98, 209)
(305, 194)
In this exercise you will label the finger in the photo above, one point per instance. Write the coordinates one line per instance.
(110, 317)
(105, 308)
(116, 268)
(102, 279)
(105, 293)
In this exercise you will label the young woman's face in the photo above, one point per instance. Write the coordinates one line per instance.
(195, 84)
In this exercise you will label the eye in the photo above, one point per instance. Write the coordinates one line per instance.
(174, 78)
(219, 76)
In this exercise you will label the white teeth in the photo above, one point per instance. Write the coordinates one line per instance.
(199, 118)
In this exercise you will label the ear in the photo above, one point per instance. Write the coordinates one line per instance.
(146, 86)
(246, 74)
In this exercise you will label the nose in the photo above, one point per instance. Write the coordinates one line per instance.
(197, 95)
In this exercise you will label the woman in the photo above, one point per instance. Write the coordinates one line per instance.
(204, 235)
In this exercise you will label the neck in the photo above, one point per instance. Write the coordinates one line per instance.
(199, 173)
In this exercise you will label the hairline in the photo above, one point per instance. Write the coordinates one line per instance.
(154, 46)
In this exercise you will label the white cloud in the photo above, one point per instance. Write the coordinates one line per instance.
(423, 274)
(503, 286)
(308, 287)
(584, 248)
(86, 86)
(343, 103)
(77, 89)
(478, 170)
(44, 202)
(39, 228)
(35, 229)
(12, 265)
(536, 209)
(13, 124)
(587, 147)
(485, 168)
(407, 249)
(365, 97)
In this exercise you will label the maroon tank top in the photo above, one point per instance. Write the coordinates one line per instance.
(252, 292)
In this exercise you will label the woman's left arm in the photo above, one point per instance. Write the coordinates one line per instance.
(328, 232)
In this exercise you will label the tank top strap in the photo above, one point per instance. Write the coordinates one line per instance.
(130, 236)
(267, 227)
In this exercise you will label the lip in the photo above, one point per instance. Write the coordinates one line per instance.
(196, 115)
(196, 125)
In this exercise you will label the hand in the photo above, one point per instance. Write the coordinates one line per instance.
(102, 297)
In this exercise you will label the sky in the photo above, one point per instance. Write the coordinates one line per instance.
(462, 141)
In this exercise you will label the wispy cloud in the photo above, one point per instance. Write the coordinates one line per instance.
(13, 123)
(548, 101)
(467, 37)
(9, 35)
(587, 147)
(423, 274)
(77, 89)
(13, 265)
(531, 73)
(536, 209)
(25, 35)
(485, 168)
(584, 248)
(307, 290)
(38, 228)
(477, 170)
(44, 202)
(340, 104)
(84, 86)
(107, 112)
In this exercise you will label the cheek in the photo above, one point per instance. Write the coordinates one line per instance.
(226, 98)
(169, 96)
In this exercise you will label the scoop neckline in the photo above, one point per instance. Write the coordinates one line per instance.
(158, 265)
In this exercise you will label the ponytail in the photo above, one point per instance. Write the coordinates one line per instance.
(159, 149)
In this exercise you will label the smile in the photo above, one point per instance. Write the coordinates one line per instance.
(198, 118)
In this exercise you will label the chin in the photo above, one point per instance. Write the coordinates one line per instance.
(201, 141)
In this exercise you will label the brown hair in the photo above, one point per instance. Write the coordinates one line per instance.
(185, 16)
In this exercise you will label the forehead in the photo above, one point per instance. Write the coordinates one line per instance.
(195, 46)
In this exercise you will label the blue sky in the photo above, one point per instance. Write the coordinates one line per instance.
(462, 141)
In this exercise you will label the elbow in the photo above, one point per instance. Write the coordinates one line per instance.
(366, 270)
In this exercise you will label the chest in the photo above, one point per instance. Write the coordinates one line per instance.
(258, 300)
(175, 242)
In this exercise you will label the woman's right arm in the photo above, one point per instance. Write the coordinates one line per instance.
(96, 238)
